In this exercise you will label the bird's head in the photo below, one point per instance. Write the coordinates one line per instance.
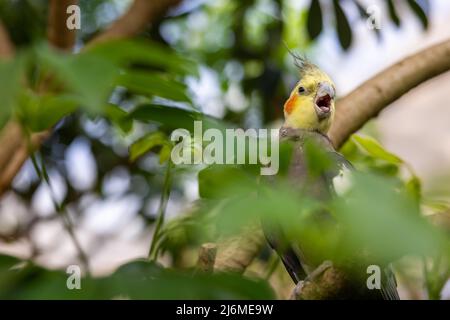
(311, 103)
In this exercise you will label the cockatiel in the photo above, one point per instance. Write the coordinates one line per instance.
(309, 113)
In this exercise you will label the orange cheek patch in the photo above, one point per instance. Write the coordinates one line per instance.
(289, 105)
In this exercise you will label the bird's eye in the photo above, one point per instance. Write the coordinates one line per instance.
(301, 90)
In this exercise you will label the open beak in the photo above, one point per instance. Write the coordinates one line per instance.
(324, 97)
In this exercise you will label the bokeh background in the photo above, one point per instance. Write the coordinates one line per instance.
(244, 75)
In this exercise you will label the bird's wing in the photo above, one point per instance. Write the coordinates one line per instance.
(287, 254)
(389, 285)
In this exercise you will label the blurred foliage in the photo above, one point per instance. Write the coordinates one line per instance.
(135, 280)
(125, 98)
(374, 205)
(342, 22)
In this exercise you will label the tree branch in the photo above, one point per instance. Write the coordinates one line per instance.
(15, 151)
(366, 101)
(138, 17)
(236, 253)
(332, 284)
(207, 257)
(57, 32)
(6, 46)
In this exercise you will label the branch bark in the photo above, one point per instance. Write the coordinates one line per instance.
(15, 151)
(366, 101)
(138, 17)
(332, 284)
(236, 253)
(207, 257)
(57, 32)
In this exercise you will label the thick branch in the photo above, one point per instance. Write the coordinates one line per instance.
(236, 253)
(138, 17)
(366, 101)
(207, 257)
(15, 151)
(57, 32)
(333, 284)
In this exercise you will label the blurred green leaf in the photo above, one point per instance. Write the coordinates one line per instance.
(147, 143)
(150, 281)
(7, 276)
(342, 26)
(419, 12)
(414, 187)
(151, 84)
(219, 181)
(393, 13)
(129, 52)
(119, 117)
(371, 146)
(365, 162)
(364, 15)
(180, 232)
(164, 153)
(314, 23)
(39, 113)
(90, 77)
(11, 73)
(385, 221)
(171, 118)
(135, 280)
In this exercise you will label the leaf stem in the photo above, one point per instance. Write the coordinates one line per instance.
(273, 264)
(165, 194)
(60, 209)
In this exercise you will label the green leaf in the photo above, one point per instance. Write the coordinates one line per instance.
(152, 84)
(119, 117)
(343, 26)
(414, 188)
(8, 276)
(387, 222)
(180, 232)
(135, 280)
(129, 52)
(364, 15)
(144, 280)
(171, 118)
(419, 12)
(164, 153)
(371, 146)
(314, 23)
(39, 113)
(219, 181)
(90, 77)
(147, 143)
(10, 76)
(393, 13)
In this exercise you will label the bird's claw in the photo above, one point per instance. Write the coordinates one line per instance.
(319, 270)
(310, 278)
